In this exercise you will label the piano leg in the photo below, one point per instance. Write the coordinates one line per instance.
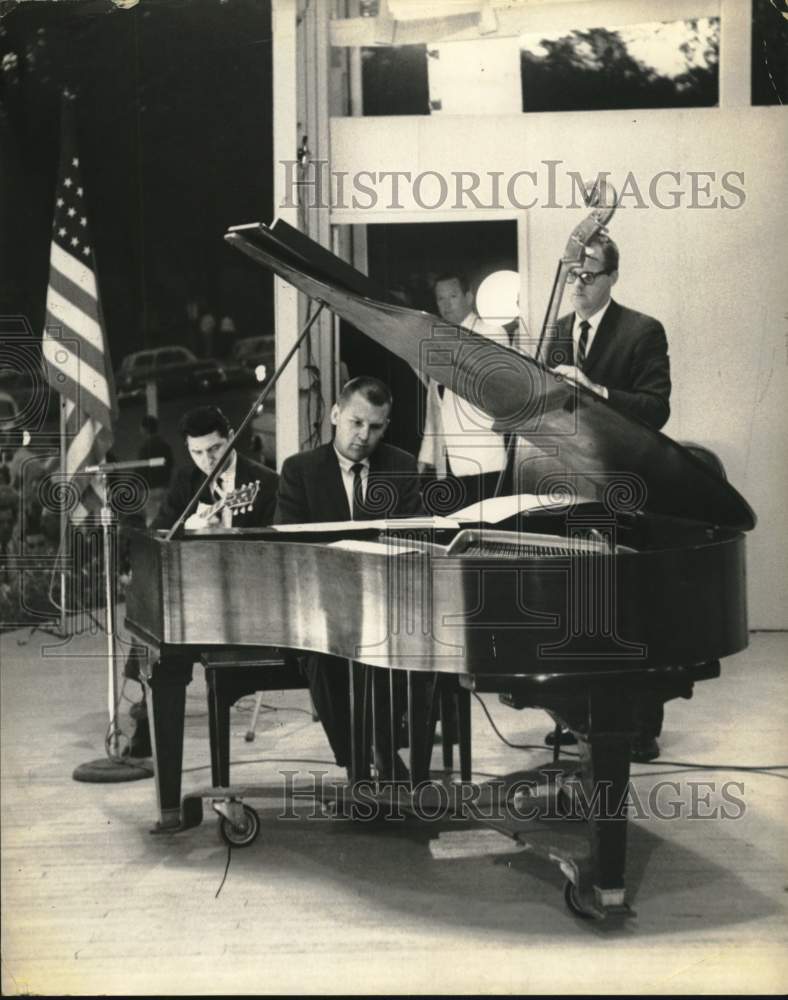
(166, 681)
(605, 754)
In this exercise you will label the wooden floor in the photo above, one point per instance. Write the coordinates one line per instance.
(92, 903)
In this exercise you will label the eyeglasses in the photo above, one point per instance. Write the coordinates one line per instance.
(587, 277)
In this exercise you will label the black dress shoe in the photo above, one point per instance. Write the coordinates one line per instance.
(140, 745)
(565, 738)
(644, 750)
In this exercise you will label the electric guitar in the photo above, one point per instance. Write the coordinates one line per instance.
(237, 501)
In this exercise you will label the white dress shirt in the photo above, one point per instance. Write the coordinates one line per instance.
(455, 431)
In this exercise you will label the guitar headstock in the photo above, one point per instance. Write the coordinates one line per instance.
(241, 500)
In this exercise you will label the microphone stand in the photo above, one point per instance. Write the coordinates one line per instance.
(112, 768)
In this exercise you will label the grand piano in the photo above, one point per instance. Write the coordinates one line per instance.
(627, 583)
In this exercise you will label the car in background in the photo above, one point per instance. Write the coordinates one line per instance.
(175, 370)
(253, 359)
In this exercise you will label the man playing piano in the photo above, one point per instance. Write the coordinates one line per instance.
(355, 477)
(206, 431)
(622, 355)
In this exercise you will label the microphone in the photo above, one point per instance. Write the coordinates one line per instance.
(142, 463)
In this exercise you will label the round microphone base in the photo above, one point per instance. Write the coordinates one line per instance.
(105, 771)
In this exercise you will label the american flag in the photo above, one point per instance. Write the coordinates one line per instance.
(74, 344)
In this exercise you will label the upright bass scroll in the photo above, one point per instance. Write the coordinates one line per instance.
(604, 201)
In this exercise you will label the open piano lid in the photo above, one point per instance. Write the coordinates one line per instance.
(605, 450)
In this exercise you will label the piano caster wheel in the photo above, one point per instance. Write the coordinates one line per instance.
(243, 835)
(574, 905)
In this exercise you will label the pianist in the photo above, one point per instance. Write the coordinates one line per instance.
(206, 431)
(355, 477)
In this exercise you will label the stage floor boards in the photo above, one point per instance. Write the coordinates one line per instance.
(93, 904)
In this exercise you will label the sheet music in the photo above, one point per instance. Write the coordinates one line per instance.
(498, 509)
(382, 524)
(490, 511)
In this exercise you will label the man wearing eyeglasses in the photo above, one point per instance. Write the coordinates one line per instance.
(622, 355)
(616, 352)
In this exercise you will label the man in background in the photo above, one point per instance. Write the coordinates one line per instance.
(458, 441)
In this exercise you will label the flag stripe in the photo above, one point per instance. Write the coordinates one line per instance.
(74, 343)
(65, 296)
(69, 339)
(74, 378)
(80, 447)
(75, 270)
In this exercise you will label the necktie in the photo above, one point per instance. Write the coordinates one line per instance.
(357, 510)
(220, 490)
(441, 390)
(585, 326)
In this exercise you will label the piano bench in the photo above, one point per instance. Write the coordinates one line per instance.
(232, 674)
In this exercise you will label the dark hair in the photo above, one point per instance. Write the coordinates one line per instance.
(458, 276)
(609, 251)
(149, 423)
(371, 388)
(204, 420)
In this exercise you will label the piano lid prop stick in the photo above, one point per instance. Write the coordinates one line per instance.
(209, 480)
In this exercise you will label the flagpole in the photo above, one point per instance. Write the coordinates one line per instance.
(79, 368)
(65, 547)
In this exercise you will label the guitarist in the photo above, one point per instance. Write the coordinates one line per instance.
(206, 431)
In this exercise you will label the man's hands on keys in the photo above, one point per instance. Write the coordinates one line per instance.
(573, 373)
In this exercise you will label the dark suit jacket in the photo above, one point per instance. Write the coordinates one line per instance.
(629, 356)
(310, 487)
(246, 471)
